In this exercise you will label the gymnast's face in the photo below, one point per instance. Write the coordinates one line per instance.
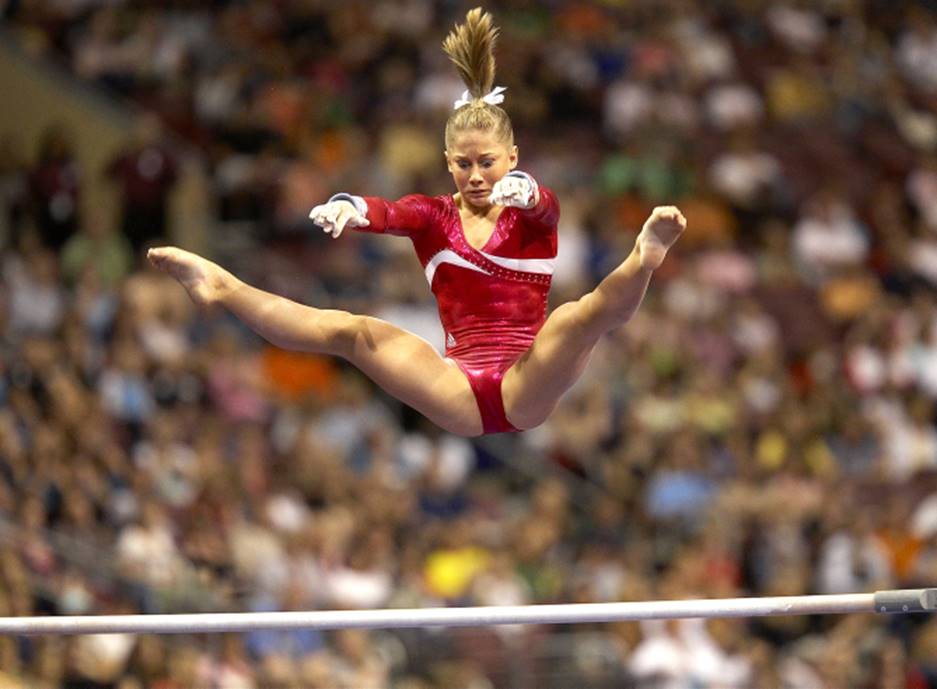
(477, 159)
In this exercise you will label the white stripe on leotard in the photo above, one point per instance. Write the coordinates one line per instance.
(539, 266)
(449, 256)
(542, 266)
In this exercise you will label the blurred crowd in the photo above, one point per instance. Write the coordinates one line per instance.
(765, 425)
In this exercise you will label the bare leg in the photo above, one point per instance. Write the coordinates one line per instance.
(534, 384)
(403, 364)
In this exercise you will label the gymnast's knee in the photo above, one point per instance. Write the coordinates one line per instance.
(524, 419)
(587, 316)
(347, 335)
(598, 315)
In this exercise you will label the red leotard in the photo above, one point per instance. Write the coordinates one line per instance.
(492, 301)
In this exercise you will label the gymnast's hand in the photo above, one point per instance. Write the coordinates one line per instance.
(337, 214)
(517, 189)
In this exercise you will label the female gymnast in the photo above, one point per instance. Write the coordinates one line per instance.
(488, 251)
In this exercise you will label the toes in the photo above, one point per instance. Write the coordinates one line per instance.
(671, 213)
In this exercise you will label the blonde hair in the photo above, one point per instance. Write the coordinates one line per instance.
(471, 47)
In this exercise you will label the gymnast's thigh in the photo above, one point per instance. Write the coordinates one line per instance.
(533, 386)
(409, 368)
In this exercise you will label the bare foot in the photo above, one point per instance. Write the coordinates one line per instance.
(206, 282)
(660, 231)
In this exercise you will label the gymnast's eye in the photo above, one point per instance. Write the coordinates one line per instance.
(464, 164)
(488, 162)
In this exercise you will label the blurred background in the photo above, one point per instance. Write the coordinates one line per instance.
(764, 426)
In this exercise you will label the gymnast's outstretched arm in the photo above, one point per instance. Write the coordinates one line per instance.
(406, 217)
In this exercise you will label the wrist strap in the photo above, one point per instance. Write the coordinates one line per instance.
(534, 187)
(523, 175)
(357, 201)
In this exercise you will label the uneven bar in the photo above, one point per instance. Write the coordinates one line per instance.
(906, 601)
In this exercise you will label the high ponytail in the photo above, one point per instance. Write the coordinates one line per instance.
(471, 46)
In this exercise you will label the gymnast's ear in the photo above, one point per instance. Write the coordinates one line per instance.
(512, 156)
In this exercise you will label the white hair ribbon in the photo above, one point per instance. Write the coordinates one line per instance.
(494, 98)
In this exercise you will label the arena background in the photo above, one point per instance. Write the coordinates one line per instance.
(764, 426)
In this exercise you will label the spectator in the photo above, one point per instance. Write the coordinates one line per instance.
(37, 301)
(145, 173)
(14, 190)
(97, 248)
(828, 237)
(55, 185)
